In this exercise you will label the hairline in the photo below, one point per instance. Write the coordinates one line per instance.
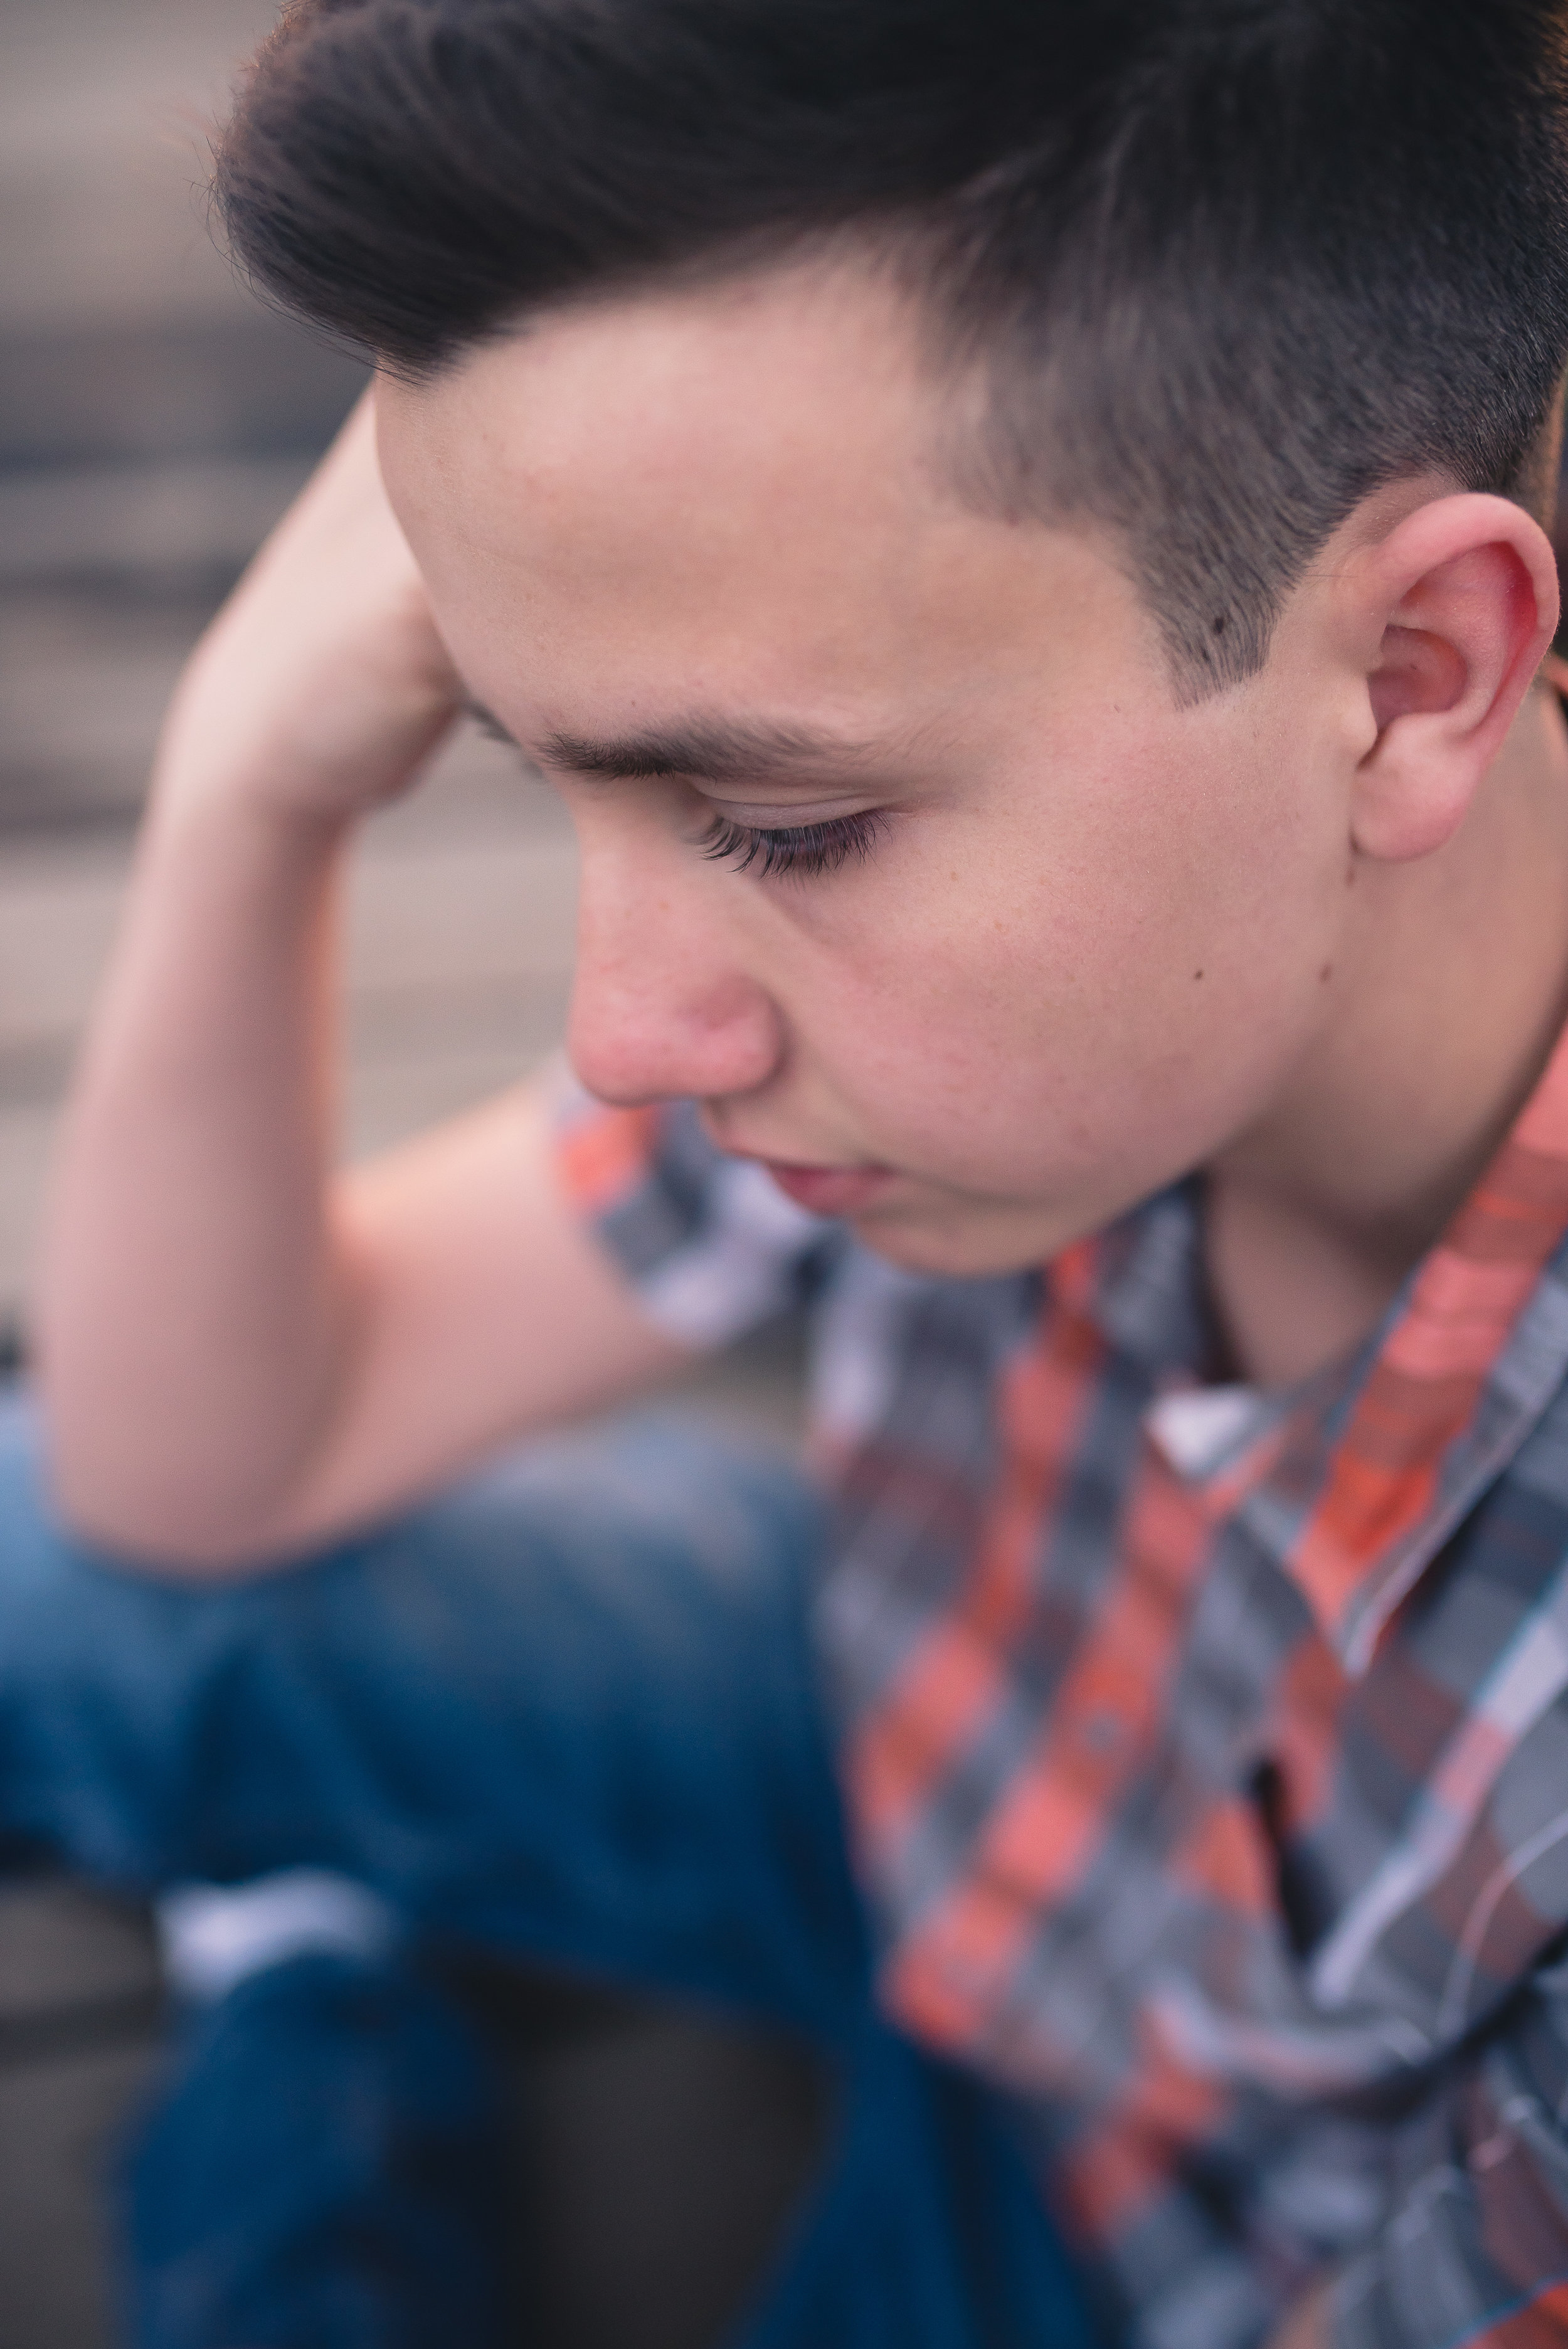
(981, 459)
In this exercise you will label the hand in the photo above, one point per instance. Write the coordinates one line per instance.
(322, 685)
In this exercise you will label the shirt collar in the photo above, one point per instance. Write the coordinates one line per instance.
(1356, 1480)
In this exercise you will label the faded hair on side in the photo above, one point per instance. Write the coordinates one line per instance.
(1227, 265)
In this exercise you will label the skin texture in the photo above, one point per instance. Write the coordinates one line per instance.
(1308, 936)
(1099, 939)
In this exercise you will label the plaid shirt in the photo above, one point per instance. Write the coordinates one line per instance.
(1207, 1755)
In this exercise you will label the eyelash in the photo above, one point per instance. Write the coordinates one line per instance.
(807, 850)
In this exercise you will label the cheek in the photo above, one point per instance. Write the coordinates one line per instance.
(1121, 1007)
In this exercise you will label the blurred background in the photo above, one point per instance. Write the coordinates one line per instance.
(155, 418)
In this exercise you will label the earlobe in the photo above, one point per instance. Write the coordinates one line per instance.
(1462, 602)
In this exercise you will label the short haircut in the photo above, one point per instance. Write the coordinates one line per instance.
(1228, 266)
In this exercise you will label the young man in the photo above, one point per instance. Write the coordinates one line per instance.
(1017, 531)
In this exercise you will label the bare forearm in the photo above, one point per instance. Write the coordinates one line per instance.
(197, 1316)
(194, 1315)
(244, 1353)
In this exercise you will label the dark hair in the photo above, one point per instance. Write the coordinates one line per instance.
(1231, 263)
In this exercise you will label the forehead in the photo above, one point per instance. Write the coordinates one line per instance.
(740, 383)
(750, 477)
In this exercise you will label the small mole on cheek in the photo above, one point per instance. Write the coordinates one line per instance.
(1326, 974)
(1197, 974)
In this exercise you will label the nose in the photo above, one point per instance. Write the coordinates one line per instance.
(663, 1006)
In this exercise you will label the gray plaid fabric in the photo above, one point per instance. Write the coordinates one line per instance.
(1207, 1755)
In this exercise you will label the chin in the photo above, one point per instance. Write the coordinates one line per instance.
(965, 1244)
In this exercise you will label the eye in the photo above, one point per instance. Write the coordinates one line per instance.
(808, 848)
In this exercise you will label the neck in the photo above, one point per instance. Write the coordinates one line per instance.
(1454, 987)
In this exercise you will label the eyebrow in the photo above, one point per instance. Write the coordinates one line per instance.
(715, 749)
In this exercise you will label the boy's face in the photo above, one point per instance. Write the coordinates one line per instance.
(1083, 940)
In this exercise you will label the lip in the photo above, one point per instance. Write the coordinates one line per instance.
(830, 1190)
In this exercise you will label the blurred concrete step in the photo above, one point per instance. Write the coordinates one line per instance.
(84, 680)
(80, 2030)
(128, 390)
(186, 518)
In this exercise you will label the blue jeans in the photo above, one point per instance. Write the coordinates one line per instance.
(568, 1713)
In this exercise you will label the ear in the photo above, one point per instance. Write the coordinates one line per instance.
(1459, 602)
